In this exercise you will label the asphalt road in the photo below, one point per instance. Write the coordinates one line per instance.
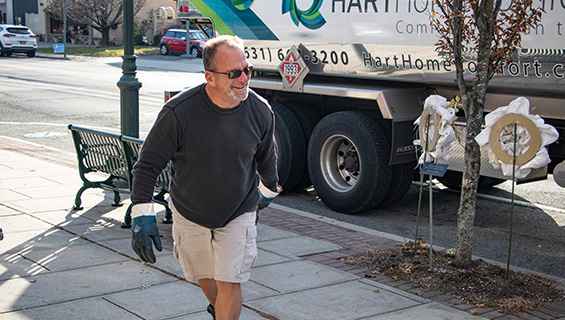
(40, 96)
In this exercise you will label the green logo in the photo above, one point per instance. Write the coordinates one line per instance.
(311, 18)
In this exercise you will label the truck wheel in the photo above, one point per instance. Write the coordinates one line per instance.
(402, 176)
(308, 119)
(348, 158)
(291, 162)
(453, 180)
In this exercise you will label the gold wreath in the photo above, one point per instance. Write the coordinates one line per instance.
(529, 125)
(434, 118)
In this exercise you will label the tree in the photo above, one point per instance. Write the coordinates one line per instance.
(102, 15)
(494, 35)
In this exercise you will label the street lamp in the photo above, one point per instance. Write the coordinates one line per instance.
(128, 84)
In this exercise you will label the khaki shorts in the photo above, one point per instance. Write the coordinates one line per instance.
(223, 254)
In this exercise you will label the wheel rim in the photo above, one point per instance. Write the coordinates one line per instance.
(164, 50)
(340, 163)
(194, 51)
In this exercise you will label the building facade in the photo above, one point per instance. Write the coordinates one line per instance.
(154, 18)
(14, 12)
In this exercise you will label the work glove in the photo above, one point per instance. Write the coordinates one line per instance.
(266, 195)
(144, 232)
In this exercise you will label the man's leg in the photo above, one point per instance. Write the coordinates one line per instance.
(210, 289)
(228, 301)
(235, 250)
(193, 249)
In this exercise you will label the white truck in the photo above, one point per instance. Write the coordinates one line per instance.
(347, 79)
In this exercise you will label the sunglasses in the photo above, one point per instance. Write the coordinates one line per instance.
(234, 74)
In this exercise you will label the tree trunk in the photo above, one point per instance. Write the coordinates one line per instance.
(467, 202)
(483, 13)
(105, 36)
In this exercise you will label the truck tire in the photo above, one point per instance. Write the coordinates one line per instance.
(453, 180)
(308, 119)
(291, 161)
(348, 158)
(402, 176)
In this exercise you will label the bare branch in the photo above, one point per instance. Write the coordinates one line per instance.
(102, 15)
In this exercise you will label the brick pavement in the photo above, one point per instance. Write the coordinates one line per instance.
(356, 242)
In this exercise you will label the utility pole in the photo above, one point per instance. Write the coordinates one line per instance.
(128, 84)
(65, 28)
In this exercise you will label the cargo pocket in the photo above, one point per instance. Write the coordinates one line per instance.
(250, 254)
(176, 242)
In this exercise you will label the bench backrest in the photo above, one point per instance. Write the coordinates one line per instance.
(110, 153)
(100, 152)
(132, 146)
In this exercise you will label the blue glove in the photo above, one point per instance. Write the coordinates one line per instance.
(144, 232)
(266, 196)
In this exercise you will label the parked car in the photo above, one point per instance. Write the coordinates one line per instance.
(174, 41)
(17, 39)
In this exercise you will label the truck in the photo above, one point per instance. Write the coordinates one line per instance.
(347, 79)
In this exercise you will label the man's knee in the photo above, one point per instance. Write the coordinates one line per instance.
(228, 287)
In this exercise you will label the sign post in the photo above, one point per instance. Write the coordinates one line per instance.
(432, 169)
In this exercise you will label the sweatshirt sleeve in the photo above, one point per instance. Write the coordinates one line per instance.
(156, 152)
(266, 157)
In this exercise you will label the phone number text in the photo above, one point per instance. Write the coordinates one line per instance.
(312, 56)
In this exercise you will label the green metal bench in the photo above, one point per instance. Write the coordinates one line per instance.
(113, 155)
(132, 146)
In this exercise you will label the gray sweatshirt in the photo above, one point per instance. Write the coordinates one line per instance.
(217, 156)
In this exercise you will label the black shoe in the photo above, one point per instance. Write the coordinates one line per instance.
(211, 311)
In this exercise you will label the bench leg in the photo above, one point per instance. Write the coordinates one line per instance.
(117, 200)
(78, 201)
(127, 218)
(160, 198)
(168, 216)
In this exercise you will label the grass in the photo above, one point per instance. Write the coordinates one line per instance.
(114, 51)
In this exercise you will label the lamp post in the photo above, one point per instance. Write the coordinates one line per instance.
(128, 84)
(65, 28)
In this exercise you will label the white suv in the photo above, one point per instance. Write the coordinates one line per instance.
(17, 39)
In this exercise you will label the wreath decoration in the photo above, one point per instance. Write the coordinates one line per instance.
(435, 130)
(512, 132)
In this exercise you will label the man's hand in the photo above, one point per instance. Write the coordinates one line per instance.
(266, 195)
(144, 232)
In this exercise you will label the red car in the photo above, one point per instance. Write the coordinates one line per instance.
(174, 41)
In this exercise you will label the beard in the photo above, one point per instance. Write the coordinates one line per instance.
(238, 95)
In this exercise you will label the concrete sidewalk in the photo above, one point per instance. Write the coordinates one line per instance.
(56, 263)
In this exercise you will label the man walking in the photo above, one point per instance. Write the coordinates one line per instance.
(220, 139)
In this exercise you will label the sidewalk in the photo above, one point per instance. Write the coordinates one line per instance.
(59, 264)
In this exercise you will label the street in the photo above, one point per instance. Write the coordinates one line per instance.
(44, 95)
(41, 96)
